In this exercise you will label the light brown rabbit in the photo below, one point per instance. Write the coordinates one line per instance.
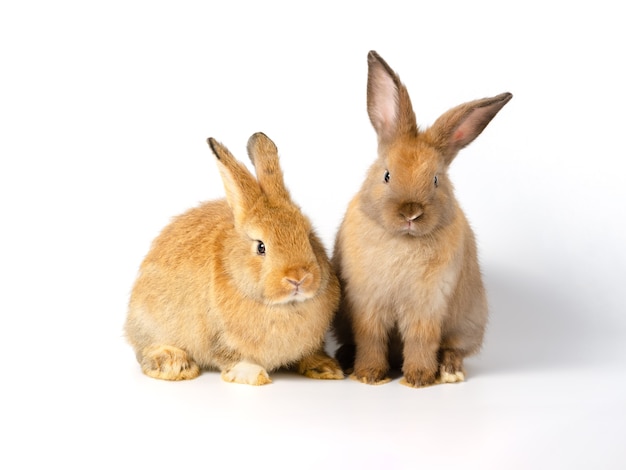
(242, 285)
(405, 254)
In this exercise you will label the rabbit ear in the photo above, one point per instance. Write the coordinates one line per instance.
(264, 156)
(388, 103)
(242, 189)
(459, 126)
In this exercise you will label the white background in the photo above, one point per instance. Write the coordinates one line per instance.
(104, 112)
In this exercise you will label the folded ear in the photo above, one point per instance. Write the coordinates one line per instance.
(388, 103)
(242, 189)
(459, 126)
(264, 156)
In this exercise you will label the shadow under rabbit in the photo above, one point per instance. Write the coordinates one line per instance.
(534, 325)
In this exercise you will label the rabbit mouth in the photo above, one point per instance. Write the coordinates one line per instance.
(410, 229)
(299, 293)
(413, 228)
(295, 296)
(410, 219)
(296, 284)
(299, 283)
(409, 225)
(299, 296)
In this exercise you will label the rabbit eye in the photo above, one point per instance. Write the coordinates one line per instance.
(260, 248)
(436, 181)
(387, 176)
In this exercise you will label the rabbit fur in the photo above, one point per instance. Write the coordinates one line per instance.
(406, 257)
(242, 285)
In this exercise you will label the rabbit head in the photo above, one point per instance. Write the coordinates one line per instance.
(272, 259)
(407, 189)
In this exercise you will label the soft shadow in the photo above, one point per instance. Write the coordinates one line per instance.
(534, 325)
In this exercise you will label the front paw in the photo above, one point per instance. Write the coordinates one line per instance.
(419, 378)
(246, 373)
(371, 376)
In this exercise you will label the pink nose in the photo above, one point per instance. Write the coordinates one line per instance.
(411, 211)
(298, 277)
(412, 217)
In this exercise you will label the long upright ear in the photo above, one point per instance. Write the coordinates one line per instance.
(264, 156)
(388, 103)
(459, 126)
(242, 189)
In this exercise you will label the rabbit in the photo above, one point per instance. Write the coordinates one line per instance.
(242, 284)
(406, 257)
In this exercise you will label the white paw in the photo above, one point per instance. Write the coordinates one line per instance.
(451, 377)
(246, 373)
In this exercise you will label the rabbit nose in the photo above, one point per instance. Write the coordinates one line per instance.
(294, 283)
(411, 211)
(297, 277)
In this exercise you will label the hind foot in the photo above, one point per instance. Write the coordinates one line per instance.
(320, 365)
(450, 377)
(168, 363)
(450, 367)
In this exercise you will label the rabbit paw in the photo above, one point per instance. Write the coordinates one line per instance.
(246, 373)
(370, 376)
(168, 363)
(451, 368)
(418, 378)
(320, 366)
(446, 377)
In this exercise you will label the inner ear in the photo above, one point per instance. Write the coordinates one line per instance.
(382, 100)
(471, 126)
(388, 103)
(458, 127)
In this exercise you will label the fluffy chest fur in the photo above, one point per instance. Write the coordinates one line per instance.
(273, 335)
(393, 275)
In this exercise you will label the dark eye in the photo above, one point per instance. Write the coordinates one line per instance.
(387, 176)
(260, 248)
(436, 181)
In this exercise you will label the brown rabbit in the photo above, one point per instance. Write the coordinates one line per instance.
(242, 285)
(405, 254)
